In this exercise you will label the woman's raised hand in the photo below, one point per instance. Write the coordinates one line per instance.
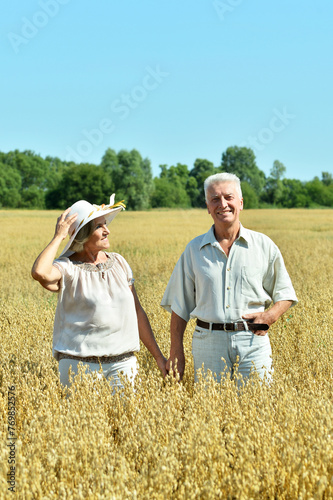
(64, 222)
(43, 269)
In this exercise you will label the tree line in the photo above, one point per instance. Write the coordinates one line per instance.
(29, 181)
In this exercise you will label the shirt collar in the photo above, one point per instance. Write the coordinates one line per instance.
(209, 237)
(243, 234)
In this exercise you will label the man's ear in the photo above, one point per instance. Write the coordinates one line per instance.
(207, 208)
(242, 204)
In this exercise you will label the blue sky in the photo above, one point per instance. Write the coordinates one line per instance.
(175, 79)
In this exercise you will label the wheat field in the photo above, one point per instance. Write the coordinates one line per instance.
(167, 439)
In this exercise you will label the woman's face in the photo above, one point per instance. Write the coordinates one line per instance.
(99, 237)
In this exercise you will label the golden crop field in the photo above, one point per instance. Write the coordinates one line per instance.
(168, 440)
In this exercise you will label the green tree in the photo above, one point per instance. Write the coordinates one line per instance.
(37, 176)
(112, 168)
(192, 191)
(132, 180)
(250, 198)
(326, 178)
(319, 194)
(56, 170)
(168, 195)
(278, 170)
(10, 187)
(200, 171)
(80, 182)
(179, 176)
(274, 191)
(170, 189)
(242, 162)
(32, 197)
(294, 194)
(32, 168)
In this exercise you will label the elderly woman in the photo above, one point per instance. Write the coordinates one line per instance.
(99, 318)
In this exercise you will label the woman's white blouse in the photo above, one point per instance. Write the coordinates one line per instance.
(96, 314)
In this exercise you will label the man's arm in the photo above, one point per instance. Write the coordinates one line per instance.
(177, 357)
(270, 316)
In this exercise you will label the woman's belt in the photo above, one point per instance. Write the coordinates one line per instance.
(238, 326)
(97, 359)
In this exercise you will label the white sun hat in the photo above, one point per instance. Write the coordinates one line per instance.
(87, 212)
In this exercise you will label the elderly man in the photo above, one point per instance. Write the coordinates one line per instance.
(226, 279)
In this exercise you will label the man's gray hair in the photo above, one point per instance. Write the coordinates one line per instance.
(222, 177)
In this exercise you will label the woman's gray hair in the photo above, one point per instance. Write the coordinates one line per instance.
(82, 237)
(222, 177)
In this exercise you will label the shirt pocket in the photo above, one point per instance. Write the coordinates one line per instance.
(251, 282)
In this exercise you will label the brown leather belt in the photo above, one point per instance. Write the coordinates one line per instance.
(238, 326)
(96, 359)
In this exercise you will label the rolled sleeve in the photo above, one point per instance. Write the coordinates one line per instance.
(179, 295)
(277, 281)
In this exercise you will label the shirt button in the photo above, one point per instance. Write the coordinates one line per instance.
(229, 269)
(228, 307)
(228, 288)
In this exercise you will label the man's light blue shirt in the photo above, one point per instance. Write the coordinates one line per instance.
(216, 288)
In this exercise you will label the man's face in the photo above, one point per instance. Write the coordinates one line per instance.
(224, 203)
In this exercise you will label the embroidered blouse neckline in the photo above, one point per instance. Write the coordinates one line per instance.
(88, 266)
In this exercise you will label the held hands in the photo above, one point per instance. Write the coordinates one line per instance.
(161, 363)
(64, 223)
(176, 365)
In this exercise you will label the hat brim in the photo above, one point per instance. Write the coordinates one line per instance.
(109, 215)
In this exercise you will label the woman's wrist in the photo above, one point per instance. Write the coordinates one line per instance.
(159, 356)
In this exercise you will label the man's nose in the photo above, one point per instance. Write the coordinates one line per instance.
(223, 202)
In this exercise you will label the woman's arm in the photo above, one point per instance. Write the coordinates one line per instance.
(43, 269)
(146, 334)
